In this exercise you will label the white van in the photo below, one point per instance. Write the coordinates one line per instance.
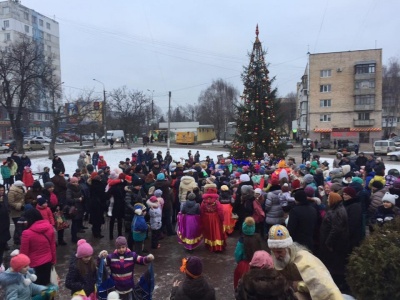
(384, 147)
(116, 135)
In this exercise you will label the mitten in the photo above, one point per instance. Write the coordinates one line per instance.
(150, 257)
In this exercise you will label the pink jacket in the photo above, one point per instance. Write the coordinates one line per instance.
(36, 246)
(46, 213)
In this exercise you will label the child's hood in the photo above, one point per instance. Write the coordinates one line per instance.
(8, 277)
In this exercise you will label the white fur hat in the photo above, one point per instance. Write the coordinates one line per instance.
(279, 237)
(113, 296)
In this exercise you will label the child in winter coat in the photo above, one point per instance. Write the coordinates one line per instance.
(112, 180)
(102, 163)
(259, 214)
(5, 174)
(139, 227)
(17, 281)
(160, 200)
(27, 177)
(122, 264)
(284, 196)
(44, 210)
(155, 212)
(387, 211)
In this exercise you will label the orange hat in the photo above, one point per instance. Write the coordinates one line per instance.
(93, 175)
(334, 198)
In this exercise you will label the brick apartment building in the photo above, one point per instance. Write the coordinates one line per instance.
(342, 98)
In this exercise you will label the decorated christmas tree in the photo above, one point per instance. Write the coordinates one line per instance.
(256, 116)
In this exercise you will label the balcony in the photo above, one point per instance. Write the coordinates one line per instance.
(364, 122)
(364, 107)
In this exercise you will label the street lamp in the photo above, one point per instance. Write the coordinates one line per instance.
(104, 111)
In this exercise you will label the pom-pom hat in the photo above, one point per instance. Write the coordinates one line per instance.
(19, 261)
(192, 266)
(279, 237)
(249, 226)
(84, 249)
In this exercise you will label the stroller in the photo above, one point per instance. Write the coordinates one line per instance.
(145, 287)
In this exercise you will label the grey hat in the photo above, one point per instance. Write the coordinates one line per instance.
(191, 196)
(308, 178)
(48, 185)
(246, 189)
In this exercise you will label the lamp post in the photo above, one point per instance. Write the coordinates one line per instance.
(104, 111)
(152, 110)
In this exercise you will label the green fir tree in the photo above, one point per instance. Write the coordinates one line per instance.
(256, 117)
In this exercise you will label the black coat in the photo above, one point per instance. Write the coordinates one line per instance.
(334, 239)
(354, 215)
(75, 198)
(117, 191)
(60, 188)
(163, 185)
(4, 221)
(76, 282)
(193, 289)
(302, 222)
(97, 202)
(58, 164)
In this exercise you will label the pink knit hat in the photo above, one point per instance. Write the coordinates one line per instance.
(262, 259)
(84, 249)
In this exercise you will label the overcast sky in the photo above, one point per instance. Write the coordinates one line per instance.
(181, 46)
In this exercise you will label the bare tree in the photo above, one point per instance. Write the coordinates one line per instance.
(390, 94)
(286, 113)
(217, 105)
(131, 107)
(26, 73)
(79, 115)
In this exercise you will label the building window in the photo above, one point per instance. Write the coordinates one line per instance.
(41, 34)
(6, 10)
(49, 49)
(34, 19)
(303, 118)
(365, 84)
(48, 26)
(26, 15)
(47, 117)
(40, 22)
(325, 88)
(325, 103)
(364, 137)
(6, 23)
(48, 36)
(39, 117)
(363, 116)
(8, 36)
(365, 99)
(325, 118)
(26, 28)
(325, 73)
(365, 68)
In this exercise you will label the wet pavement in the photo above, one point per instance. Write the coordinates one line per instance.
(218, 267)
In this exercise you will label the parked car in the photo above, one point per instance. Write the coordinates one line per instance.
(70, 137)
(347, 146)
(325, 144)
(4, 148)
(33, 145)
(396, 140)
(395, 155)
(384, 147)
(42, 139)
(10, 144)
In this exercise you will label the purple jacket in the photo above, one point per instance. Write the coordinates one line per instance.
(122, 267)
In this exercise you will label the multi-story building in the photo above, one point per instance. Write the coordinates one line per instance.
(340, 97)
(17, 22)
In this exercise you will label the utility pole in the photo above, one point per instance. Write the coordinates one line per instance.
(104, 111)
(169, 120)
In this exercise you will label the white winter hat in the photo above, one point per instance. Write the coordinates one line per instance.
(257, 191)
(390, 198)
(19, 183)
(244, 178)
(113, 175)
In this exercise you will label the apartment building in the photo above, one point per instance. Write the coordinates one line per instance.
(340, 97)
(18, 21)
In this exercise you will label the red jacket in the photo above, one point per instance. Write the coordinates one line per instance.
(27, 178)
(46, 213)
(101, 164)
(36, 246)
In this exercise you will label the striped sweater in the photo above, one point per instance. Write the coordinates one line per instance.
(122, 267)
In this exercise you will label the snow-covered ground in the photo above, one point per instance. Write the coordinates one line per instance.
(113, 157)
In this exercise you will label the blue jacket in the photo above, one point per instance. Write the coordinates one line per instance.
(16, 289)
(139, 228)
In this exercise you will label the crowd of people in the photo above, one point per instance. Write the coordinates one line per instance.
(312, 216)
